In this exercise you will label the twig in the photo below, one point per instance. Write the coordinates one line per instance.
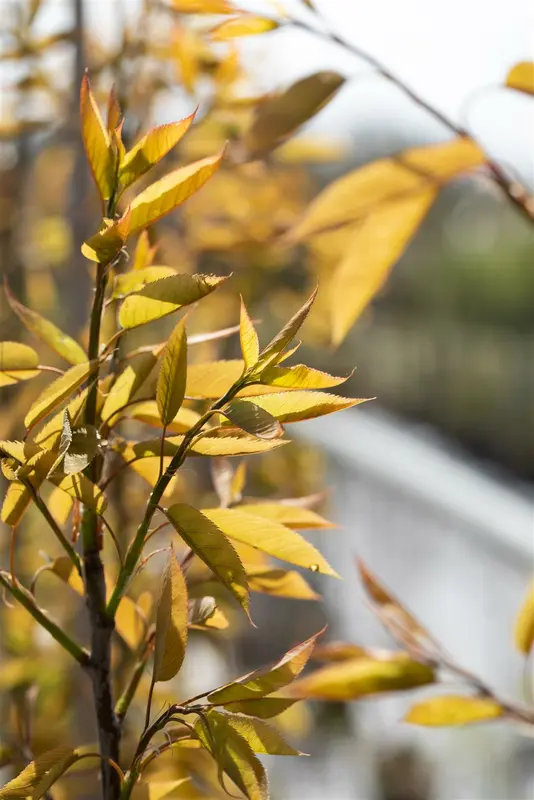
(125, 700)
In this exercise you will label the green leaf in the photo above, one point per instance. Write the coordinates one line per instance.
(170, 390)
(97, 143)
(171, 622)
(249, 338)
(171, 191)
(47, 332)
(264, 707)
(277, 117)
(134, 281)
(298, 406)
(128, 384)
(255, 685)
(210, 544)
(163, 297)
(521, 77)
(270, 355)
(34, 781)
(151, 149)
(252, 419)
(270, 537)
(244, 25)
(18, 362)
(58, 391)
(259, 735)
(454, 710)
(360, 677)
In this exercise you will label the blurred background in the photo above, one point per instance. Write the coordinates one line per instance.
(431, 482)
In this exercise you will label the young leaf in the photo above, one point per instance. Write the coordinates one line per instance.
(151, 149)
(108, 241)
(299, 377)
(244, 25)
(252, 419)
(47, 332)
(205, 615)
(292, 516)
(270, 537)
(374, 248)
(210, 544)
(521, 77)
(270, 355)
(163, 297)
(249, 338)
(453, 709)
(281, 115)
(97, 143)
(260, 736)
(130, 282)
(171, 623)
(524, 626)
(169, 192)
(114, 112)
(255, 685)
(170, 390)
(298, 406)
(51, 764)
(360, 677)
(128, 383)
(57, 391)
(18, 362)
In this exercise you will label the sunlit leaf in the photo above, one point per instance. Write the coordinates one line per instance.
(144, 253)
(129, 623)
(453, 709)
(339, 651)
(203, 6)
(157, 790)
(264, 707)
(267, 680)
(277, 117)
(206, 446)
(270, 355)
(127, 384)
(204, 614)
(58, 391)
(360, 677)
(292, 516)
(47, 332)
(252, 419)
(32, 779)
(244, 25)
(521, 77)
(133, 281)
(170, 390)
(261, 737)
(108, 241)
(524, 625)
(171, 623)
(18, 362)
(279, 583)
(249, 338)
(270, 537)
(148, 413)
(298, 406)
(151, 149)
(299, 377)
(97, 143)
(80, 488)
(212, 379)
(165, 296)
(82, 448)
(210, 544)
(16, 501)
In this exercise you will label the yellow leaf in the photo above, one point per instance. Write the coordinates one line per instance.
(292, 516)
(144, 253)
(524, 626)
(360, 677)
(261, 737)
(60, 505)
(362, 191)
(271, 354)
(171, 624)
(169, 192)
(134, 281)
(108, 241)
(212, 379)
(57, 391)
(157, 790)
(339, 651)
(252, 419)
(279, 583)
(127, 385)
(129, 623)
(244, 25)
(114, 112)
(80, 488)
(249, 338)
(299, 377)
(375, 247)
(264, 707)
(209, 445)
(205, 615)
(147, 412)
(50, 434)
(521, 77)
(170, 390)
(151, 149)
(270, 537)
(203, 6)
(18, 362)
(163, 297)
(297, 406)
(279, 116)
(47, 332)
(186, 51)
(210, 544)
(97, 143)
(265, 681)
(453, 710)
(16, 501)
(54, 762)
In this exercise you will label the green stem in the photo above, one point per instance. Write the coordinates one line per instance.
(125, 700)
(28, 601)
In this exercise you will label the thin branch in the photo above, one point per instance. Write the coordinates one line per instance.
(125, 700)
(41, 505)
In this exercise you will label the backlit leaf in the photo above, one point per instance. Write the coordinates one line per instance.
(171, 623)
(203, 6)
(97, 143)
(157, 790)
(292, 516)
(252, 419)
(244, 25)
(269, 537)
(360, 677)
(58, 391)
(16, 501)
(108, 241)
(453, 710)
(299, 377)
(339, 651)
(165, 296)
(51, 764)
(267, 680)
(80, 488)
(204, 614)
(47, 332)
(170, 390)
(249, 338)
(133, 281)
(279, 583)
(129, 623)
(264, 707)
(270, 355)
(261, 737)
(18, 362)
(297, 406)
(210, 544)
(277, 117)
(169, 192)
(147, 412)
(151, 149)
(524, 626)
(521, 77)
(82, 448)
(127, 384)
(204, 446)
